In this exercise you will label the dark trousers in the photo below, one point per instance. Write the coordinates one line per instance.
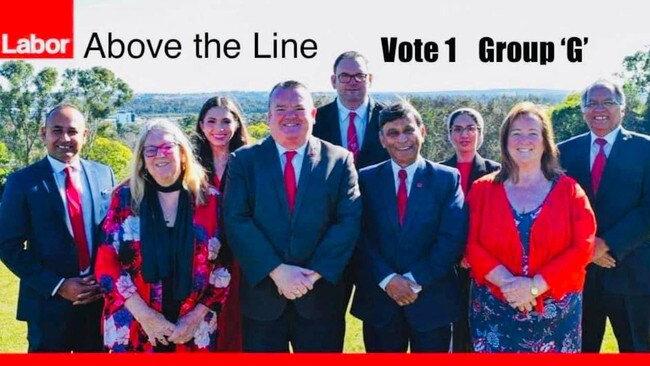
(461, 339)
(304, 335)
(628, 314)
(395, 337)
(76, 331)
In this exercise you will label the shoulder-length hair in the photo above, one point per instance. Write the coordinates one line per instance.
(201, 143)
(550, 163)
(194, 178)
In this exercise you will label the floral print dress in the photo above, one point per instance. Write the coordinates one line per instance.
(496, 327)
(119, 272)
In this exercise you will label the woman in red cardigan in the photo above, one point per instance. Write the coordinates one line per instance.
(531, 236)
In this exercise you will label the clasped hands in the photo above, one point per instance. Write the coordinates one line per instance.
(402, 290)
(601, 257)
(293, 281)
(516, 290)
(80, 290)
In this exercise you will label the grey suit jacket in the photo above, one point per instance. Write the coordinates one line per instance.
(319, 235)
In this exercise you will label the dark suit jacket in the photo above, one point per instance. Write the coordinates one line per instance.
(319, 235)
(32, 211)
(480, 167)
(327, 128)
(622, 208)
(429, 244)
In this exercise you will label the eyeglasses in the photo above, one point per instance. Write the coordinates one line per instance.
(471, 129)
(346, 78)
(165, 149)
(608, 103)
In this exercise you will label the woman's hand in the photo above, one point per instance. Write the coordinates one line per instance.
(517, 293)
(188, 324)
(154, 324)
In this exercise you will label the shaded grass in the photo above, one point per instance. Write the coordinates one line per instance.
(13, 333)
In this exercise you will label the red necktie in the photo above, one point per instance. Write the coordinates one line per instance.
(599, 165)
(76, 215)
(353, 140)
(290, 179)
(401, 196)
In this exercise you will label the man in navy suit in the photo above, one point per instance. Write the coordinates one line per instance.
(292, 216)
(413, 233)
(50, 215)
(613, 166)
(351, 121)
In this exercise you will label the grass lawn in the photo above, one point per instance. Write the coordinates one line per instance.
(13, 333)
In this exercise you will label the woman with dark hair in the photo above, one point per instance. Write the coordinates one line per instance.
(220, 130)
(465, 132)
(531, 235)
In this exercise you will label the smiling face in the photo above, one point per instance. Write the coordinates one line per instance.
(291, 117)
(64, 134)
(602, 111)
(525, 141)
(162, 157)
(219, 126)
(353, 93)
(464, 134)
(403, 140)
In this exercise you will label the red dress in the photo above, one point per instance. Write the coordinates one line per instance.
(119, 272)
(230, 333)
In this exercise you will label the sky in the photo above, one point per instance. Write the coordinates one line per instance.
(614, 30)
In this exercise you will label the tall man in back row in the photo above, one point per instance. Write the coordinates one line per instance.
(351, 121)
(54, 206)
(612, 165)
(292, 216)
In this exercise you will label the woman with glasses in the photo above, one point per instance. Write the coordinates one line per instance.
(531, 235)
(157, 267)
(465, 128)
(220, 130)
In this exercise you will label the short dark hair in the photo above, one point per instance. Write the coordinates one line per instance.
(353, 55)
(57, 108)
(398, 110)
(287, 84)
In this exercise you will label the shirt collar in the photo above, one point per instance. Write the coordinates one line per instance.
(610, 137)
(361, 111)
(300, 150)
(410, 170)
(59, 166)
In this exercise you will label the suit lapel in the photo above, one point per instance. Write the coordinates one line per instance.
(95, 198)
(582, 165)
(478, 169)
(272, 168)
(418, 184)
(618, 153)
(53, 194)
(334, 127)
(388, 194)
(309, 163)
(372, 130)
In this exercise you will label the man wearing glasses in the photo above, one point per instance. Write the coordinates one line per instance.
(612, 165)
(55, 206)
(351, 121)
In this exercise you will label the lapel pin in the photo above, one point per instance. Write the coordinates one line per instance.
(419, 185)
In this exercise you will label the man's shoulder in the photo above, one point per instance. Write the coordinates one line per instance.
(97, 165)
(29, 172)
(331, 149)
(572, 141)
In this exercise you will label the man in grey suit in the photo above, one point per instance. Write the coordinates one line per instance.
(612, 165)
(292, 216)
(55, 206)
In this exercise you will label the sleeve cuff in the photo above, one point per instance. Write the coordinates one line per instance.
(385, 281)
(56, 288)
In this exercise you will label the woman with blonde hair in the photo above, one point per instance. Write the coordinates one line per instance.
(157, 266)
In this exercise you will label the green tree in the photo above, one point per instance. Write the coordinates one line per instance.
(637, 88)
(5, 164)
(23, 104)
(188, 123)
(97, 92)
(112, 153)
(258, 130)
(567, 118)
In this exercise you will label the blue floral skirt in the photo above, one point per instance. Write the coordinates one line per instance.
(496, 327)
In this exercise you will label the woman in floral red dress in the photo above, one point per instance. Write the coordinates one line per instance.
(220, 130)
(158, 266)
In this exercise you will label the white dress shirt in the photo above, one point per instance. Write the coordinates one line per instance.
(296, 161)
(360, 121)
(610, 138)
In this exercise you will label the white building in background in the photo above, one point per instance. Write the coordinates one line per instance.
(125, 117)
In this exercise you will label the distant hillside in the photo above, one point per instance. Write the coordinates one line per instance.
(254, 104)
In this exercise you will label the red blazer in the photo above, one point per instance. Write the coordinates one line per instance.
(561, 239)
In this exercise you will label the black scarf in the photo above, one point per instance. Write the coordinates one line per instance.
(164, 255)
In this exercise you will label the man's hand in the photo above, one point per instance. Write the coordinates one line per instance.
(605, 261)
(80, 290)
(601, 248)
(188, 324)
(400, 289)
(293, 281)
